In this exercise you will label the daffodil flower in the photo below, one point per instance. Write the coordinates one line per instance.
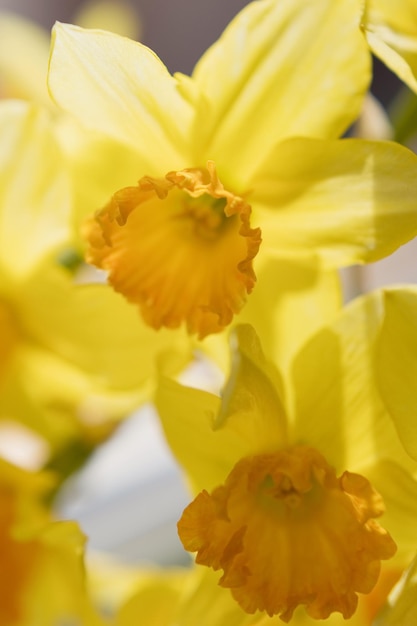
(72, 356)
(292, 476)
(221, 156)
(41, 568)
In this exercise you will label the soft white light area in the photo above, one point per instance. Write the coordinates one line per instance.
(130, 495)
(21, 446)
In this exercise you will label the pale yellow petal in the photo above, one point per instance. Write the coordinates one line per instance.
(399, 490)
(351, 201)
(184, 598)
(391, 31)
(188, 416)
(34, 189)
(58, 590)
(397, 363)
(292, 299)
(280, 69)
(96, 330)
(339, 409)
(121, 88)
(208, 435)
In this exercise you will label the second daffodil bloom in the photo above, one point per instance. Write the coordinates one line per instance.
(220, 156)
(291, 479)
(41, 568)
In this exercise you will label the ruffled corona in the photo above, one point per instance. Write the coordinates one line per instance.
(181, 247)
(286, 531)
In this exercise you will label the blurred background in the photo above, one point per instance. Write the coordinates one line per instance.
(131, 493)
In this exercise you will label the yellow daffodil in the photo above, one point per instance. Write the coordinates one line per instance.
(72, 356)
(391, 31)
(41, 568)
(219, 156)
(291, 478)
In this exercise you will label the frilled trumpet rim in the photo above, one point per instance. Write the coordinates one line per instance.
(286, 531)
(181, 247)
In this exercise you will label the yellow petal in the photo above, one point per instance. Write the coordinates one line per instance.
(34, 190)
(183, 598)
(57, 590)
(350, 200)
(339, 409)
(121, 88)
(187, 416)
(95, 330)
(24, 48)
(396, 363)
(293, 298)
(208, 437)
(41, 570)
(280, 69)
(252, 398)
(391, 31)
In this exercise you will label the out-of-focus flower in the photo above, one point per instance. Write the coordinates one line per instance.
(24, 46)
(73, 358)
(278, 509)
(23, 59)
(41, 568)
(216, 162)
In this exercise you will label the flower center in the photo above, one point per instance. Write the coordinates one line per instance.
(181, 247)
(286, 531)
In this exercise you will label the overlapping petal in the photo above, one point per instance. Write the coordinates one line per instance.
(81, 357)
(351, 200)
(280, 69)
(121, 88)
(340, 410)
(294, 298)
(396, 363)
(95, 329)
(208, 437)
(391, 31)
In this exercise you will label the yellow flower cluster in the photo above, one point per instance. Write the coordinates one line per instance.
(146, 218)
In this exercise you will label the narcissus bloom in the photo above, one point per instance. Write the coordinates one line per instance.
(217, 160)
(72, 357)
(291, 478)
(41, 567)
